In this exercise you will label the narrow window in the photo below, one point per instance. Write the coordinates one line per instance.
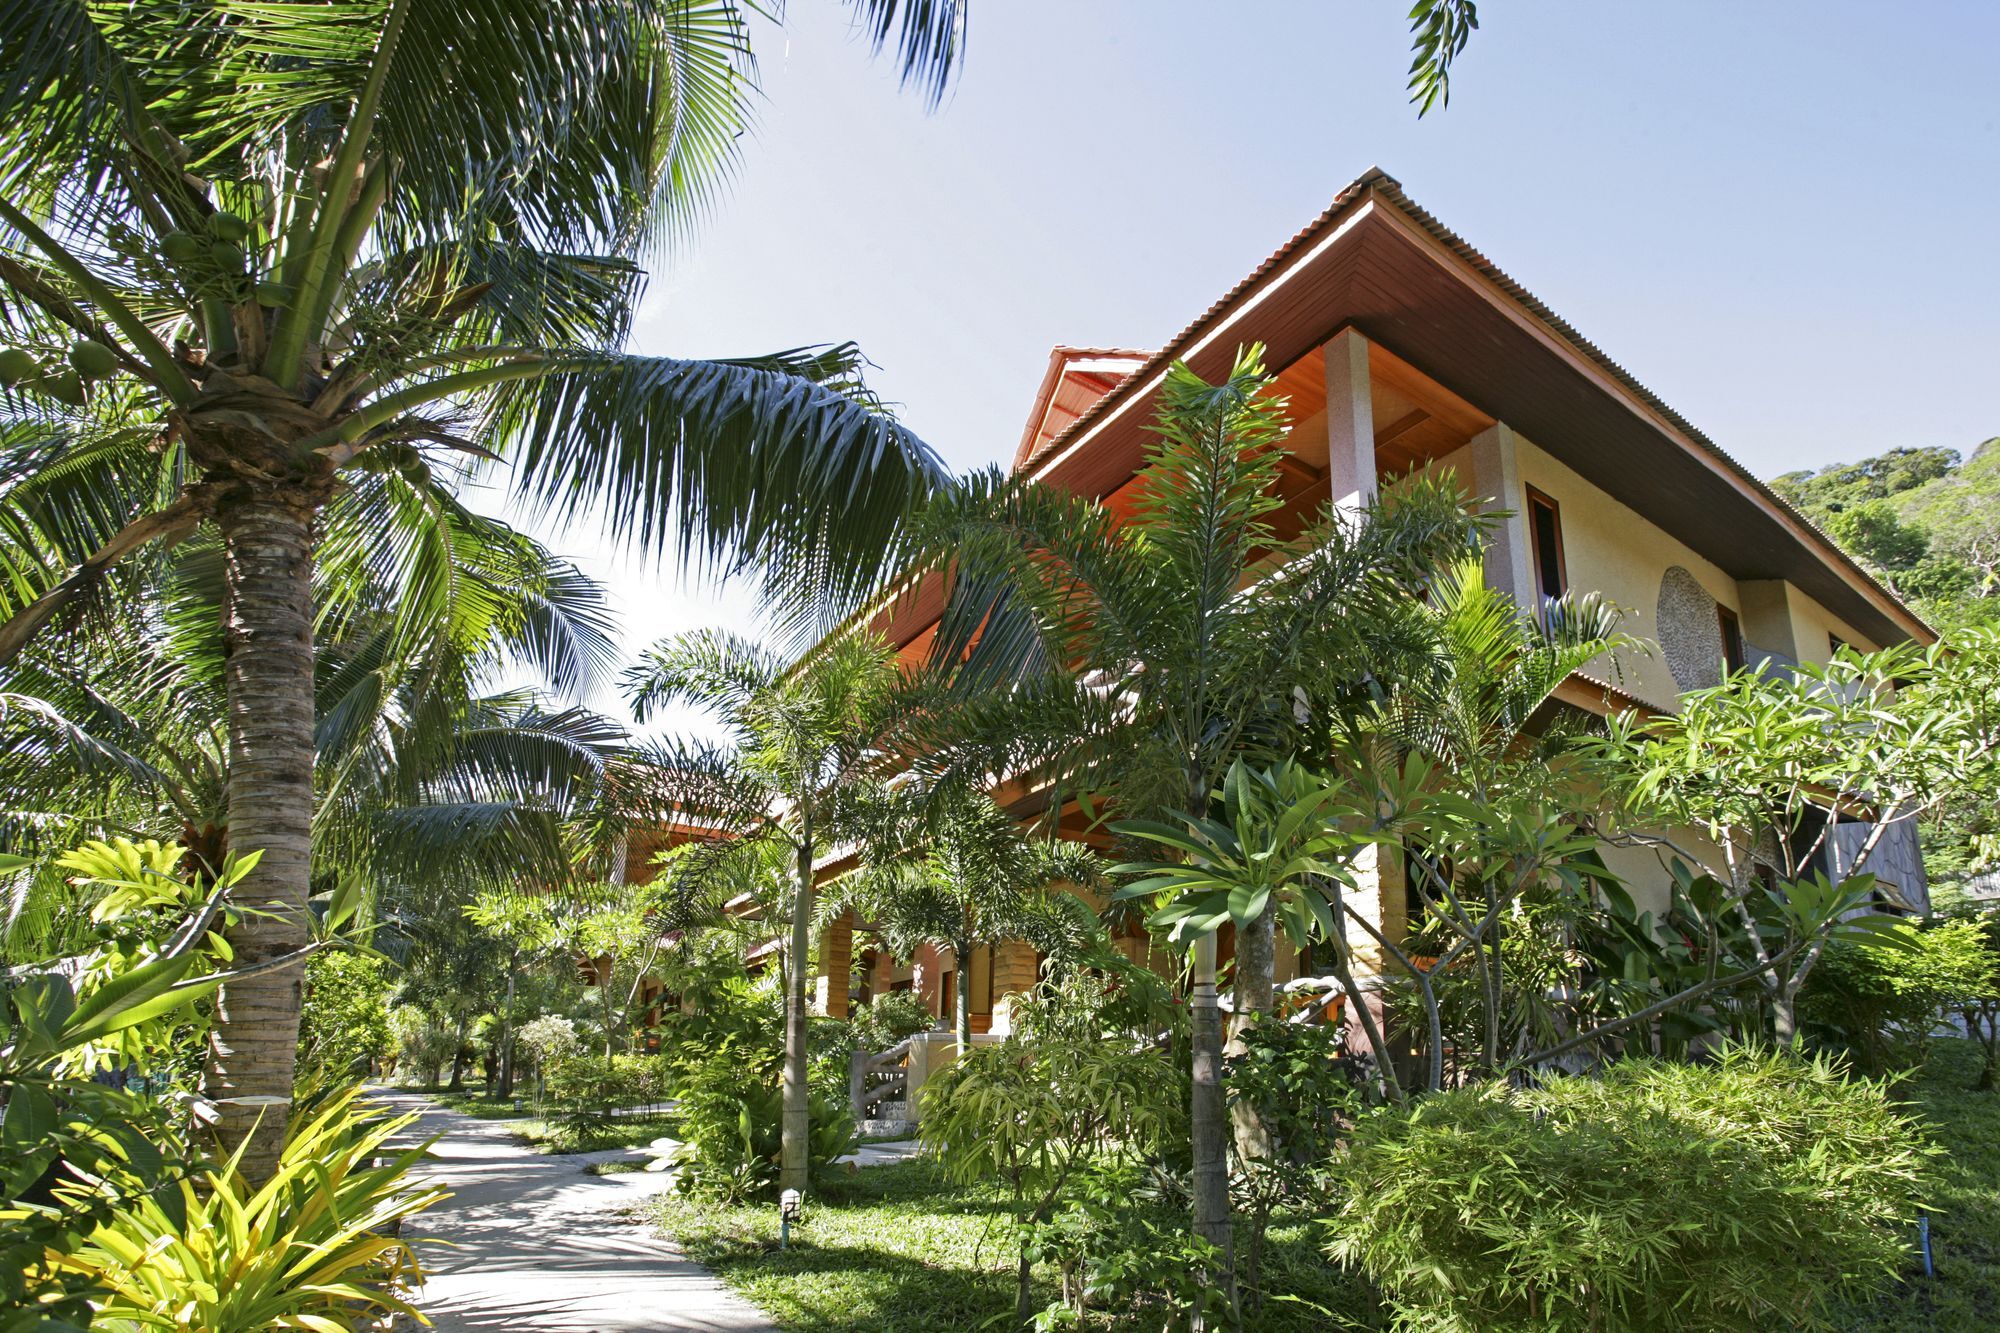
(1834, 643)
(1732, 639)
(1545, 530)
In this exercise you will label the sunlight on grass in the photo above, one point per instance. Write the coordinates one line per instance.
(1965, 1225)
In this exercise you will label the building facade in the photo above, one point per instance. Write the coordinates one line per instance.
(1399, 346)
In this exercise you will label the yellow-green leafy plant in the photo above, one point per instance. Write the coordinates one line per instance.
(1655, 1196)
(314, 1247)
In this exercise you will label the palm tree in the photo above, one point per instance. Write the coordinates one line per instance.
(118, 731)
(805, 752)
(1139, 661)
(248, 251)
(963, 875)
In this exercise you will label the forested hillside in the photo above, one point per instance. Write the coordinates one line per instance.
(1928, 524)
(1925, 522)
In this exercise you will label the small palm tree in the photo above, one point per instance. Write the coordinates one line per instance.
(1139, 659)
(1494, 668)
(805, 754)
(251, 255)
(964, 876)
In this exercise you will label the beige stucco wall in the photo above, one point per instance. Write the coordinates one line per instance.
(1610, 548)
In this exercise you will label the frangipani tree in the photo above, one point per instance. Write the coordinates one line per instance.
(1804, 772)
(253, 255)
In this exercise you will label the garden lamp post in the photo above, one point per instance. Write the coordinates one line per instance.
(789, 1207)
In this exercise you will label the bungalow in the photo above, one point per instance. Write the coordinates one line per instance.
(1399, 345)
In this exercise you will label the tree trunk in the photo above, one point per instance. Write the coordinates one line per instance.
(961, 957)
(268, 642)
(796, 1129)
(1209, 1126)
(1785, 1018)
(458, 1054)
(1256, 996)
(504, 1083)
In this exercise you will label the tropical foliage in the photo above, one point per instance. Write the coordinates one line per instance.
(277, 277)
(1136, 670)
(962, 874)
(1651, 1196)
(805, 751)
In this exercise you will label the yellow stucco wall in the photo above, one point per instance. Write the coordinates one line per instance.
(1610, 548)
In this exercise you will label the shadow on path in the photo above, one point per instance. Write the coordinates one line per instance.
(533, 1243)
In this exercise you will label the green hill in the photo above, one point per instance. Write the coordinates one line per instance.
(1924, 520)
(1928, 523)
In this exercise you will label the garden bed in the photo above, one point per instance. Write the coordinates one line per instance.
(900, 1248)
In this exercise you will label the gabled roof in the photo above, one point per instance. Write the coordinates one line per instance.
(1378, 262)
(1076, 378)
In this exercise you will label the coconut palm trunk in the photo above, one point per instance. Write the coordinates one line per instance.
(267, 540)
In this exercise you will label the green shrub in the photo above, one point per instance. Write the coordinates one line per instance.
(593, 1083)
(1293, 1083)
(423, 1044)
(1881, 1003)
(887, 1019)
(316, 1247)
(731, 1124)
(1050, 1102)
(1115, 1253)
(1657, 1196)
(344, 1016)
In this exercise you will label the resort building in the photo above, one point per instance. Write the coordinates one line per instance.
(1400, 346)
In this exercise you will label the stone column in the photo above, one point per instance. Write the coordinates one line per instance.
(1496, 485)
(836, 965)
(926, 977)
(1379, 899)
(1013, 973)
(1350, 423)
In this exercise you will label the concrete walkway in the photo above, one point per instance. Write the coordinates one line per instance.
(537, 1245)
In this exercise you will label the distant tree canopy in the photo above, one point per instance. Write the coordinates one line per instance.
(1929, 526)
(1924, 521)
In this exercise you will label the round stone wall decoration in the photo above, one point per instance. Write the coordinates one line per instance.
(1690, 634)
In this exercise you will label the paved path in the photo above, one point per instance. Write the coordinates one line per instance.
(540, 1246)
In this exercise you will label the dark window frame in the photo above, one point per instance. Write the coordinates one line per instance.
(1540, 505)
(1731, 625)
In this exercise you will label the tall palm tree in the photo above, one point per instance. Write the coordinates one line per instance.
(1141, 657)
(804, 754)
(963, 874)
(249, 250)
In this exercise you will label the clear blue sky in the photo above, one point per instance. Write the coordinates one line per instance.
(1780, 216)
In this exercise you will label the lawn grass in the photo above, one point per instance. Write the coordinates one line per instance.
(625, 1131)
(477, 1105)
(617, 1166)
(902, 1249)
(1964, 1297)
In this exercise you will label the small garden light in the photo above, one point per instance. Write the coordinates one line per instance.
(790, 1204)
